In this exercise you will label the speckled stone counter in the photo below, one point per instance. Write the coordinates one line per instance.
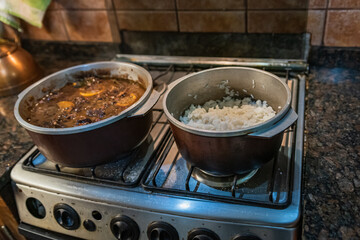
(332, 162)
(13, 138)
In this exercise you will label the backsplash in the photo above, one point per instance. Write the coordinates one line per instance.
(331, 22)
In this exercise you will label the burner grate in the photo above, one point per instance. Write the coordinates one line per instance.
(268, 187)
(162, 169)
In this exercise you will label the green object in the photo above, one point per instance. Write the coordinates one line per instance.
(10, 20)
(31, 11)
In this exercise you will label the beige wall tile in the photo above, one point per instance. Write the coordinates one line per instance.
(344, 4)
(277, 4)
(317, 4)
(342, 28)
(315, 26)
(147, 20)
(277, 21)
(53, 28)
(81, 4)
(233, 21)
(210, 4)
(88, 25)
(144, 4)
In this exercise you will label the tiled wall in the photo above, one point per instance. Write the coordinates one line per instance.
(331, 22)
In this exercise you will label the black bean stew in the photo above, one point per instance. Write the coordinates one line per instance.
(85, 101)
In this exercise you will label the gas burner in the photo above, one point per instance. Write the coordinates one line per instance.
(220, 181)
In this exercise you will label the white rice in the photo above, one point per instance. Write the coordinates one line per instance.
(227, 114)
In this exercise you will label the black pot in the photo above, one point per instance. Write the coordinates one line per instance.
(95, 143)
(235, 151)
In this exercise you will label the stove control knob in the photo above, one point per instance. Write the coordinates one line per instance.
(66, 216)
(35, 207)
(124, 228)
(202, 234)
(162, 231)
(89, 225)
(246, 237)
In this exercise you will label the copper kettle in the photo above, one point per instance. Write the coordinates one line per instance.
(17, 67)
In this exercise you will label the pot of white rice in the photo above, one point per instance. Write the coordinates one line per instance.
(228, 120)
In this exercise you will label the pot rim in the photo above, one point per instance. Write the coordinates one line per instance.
(78, 129)
(227, 133)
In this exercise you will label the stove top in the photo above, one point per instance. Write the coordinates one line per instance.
(155, 188)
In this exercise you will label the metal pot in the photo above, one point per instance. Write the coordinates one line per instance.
(229, 152)
(18, 68)
(95, 143)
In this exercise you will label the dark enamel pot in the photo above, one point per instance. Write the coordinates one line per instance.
(95, 143)
(233, 151)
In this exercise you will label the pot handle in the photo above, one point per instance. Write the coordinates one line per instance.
(279, 127)
(150, 103)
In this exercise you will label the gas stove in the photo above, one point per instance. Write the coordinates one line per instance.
(155, 194)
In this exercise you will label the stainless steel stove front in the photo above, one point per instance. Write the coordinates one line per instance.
(184, 214)
(103, 211)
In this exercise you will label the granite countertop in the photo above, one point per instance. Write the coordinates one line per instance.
(331, 180)
(14, 139)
